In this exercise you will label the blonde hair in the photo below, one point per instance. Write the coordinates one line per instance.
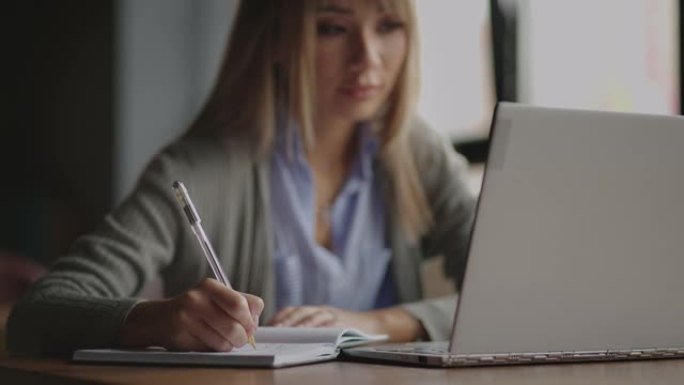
(269, 63)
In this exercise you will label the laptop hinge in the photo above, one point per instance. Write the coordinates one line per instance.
(549, 357)
(646, 353)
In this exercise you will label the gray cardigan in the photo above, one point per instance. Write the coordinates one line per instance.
(84, 299)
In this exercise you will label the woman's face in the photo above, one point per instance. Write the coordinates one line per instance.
(360, 50)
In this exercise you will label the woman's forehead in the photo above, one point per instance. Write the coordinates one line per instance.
(354, 6)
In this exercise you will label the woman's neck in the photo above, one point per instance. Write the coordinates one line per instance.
(330, 160)
(334, 145)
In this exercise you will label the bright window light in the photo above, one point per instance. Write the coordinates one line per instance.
(619, 55)
(457, 96)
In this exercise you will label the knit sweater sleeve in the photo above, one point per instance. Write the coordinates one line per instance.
(443, 173)
(84, 299)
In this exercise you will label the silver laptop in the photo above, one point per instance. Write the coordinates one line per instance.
(577, 251)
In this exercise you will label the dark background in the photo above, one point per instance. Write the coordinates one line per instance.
(56, 143)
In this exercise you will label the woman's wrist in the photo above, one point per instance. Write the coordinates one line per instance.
(399, 324)
(135, 331)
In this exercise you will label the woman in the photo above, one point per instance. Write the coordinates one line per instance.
(319, 191)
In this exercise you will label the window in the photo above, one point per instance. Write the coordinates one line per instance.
(457, 95)
(619, 55)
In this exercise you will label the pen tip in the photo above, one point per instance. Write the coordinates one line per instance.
(252, 342)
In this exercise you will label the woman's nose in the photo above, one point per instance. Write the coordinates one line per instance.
(365, 52)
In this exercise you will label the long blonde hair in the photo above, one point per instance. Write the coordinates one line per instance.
(270, 61)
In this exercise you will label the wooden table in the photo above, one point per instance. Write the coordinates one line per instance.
(14, 371)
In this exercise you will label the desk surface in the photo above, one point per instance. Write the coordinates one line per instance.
(26, 371)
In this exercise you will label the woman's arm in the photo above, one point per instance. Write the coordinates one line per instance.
(87, 294)
(208, 317)
(88, 297)
(443, 174)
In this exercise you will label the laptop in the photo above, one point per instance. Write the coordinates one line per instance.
(577, 250)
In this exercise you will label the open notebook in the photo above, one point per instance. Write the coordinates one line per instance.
(275, 347)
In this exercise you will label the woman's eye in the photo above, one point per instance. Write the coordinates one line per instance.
(330, 29)
(387, 26)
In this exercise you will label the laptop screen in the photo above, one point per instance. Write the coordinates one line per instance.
(578, 243)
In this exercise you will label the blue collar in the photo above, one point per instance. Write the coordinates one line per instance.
(289, 147)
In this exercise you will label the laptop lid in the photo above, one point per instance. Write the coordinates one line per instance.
(578, 244)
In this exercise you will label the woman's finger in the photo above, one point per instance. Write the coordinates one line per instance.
(186, 334)
(224, 332)
(281, 315)
(226, 326)
(186, 341)
(294, 317)
(322, 317)
(256, 306)
(232, 302)
(205, 333)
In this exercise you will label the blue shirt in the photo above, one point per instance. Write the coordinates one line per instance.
(355, 273)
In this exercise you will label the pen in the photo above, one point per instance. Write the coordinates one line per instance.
(188, 207)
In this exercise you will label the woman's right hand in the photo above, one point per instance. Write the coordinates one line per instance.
(209, 317)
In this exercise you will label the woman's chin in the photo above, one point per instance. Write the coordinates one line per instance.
(360, 111)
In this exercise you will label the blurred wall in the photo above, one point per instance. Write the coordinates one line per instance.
(167, 53)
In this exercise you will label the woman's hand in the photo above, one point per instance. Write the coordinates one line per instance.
(325, 316)
(395, 322)
(209, 317)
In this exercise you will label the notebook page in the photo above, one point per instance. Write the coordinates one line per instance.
(297, 335)
(337, 336)
(355, 337)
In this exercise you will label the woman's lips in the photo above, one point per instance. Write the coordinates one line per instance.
(361, 92)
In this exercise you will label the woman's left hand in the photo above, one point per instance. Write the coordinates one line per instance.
(396, 322)
(326, 316)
